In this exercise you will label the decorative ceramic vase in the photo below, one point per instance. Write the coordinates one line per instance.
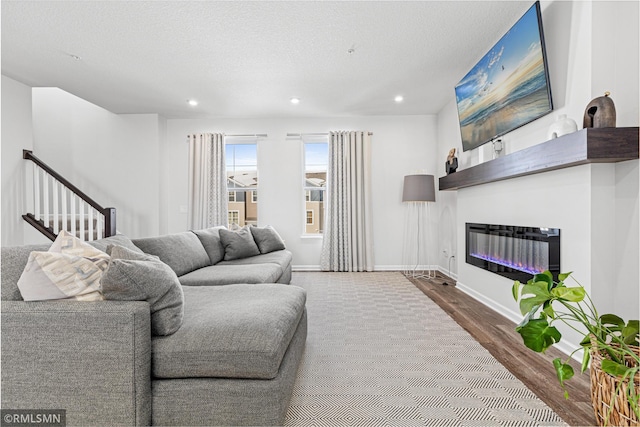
(562, 126)
(600, 113)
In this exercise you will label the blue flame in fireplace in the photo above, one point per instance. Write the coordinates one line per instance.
(506, 263)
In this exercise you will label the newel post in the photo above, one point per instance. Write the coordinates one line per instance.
(109, 222)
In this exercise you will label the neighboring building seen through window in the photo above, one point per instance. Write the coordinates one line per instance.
(316, 157)
(242, 182)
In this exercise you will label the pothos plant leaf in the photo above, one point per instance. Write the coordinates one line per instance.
(545, 277)
(631, 332)
(540, 293)
(586, 357)
(515, 290)
(564, 373)
(538, 335)
(564, 276)
(573, 294)
(614, 368)
(613, 322)
(547, 310)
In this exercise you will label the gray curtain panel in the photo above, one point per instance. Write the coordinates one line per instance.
(208, 197)
(347, 243)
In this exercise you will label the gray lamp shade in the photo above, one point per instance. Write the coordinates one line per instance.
(419, 188)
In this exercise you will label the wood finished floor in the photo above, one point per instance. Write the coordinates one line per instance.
(497, 334)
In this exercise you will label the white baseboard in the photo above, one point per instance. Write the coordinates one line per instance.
(448, 273)
(375, 267)
(515, 318)
(305, 268)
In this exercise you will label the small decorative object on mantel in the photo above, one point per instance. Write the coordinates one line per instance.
(452, 162)
(562, 126)
(600, 113)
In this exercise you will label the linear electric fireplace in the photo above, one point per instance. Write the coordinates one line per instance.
(513, 251)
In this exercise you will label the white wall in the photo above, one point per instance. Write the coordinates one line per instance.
(138, 164)
(114, 158)
(401, 146)
(16, 135)
(595, 206)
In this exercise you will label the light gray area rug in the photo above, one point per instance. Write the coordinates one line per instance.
(380, 353)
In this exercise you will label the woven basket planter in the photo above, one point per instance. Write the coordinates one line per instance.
(608, 391)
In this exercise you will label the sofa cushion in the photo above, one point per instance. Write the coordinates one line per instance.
(215, 275)
(132, 276)
(183, 252)
(118, 239)
(210, 239)
(282, 258)
(267, 239)
(12, 263)
(238, 244)
(235, 331)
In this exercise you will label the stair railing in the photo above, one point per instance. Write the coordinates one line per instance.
(59, 205)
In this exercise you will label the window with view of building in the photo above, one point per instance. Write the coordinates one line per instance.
(316, 156)
(242, 182)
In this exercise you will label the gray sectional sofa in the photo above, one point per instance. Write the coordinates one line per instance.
(233, 361)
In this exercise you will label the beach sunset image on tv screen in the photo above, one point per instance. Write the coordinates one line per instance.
(508, 87)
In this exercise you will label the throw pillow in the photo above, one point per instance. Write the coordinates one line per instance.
(71, 269)
(238, 244)
(210, 239)
(267, 239)
(132, 276)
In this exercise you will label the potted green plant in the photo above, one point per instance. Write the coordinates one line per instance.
(610, 343)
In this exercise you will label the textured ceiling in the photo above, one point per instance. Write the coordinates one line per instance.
(247, 59)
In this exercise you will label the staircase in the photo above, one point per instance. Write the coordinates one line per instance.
(59, 205)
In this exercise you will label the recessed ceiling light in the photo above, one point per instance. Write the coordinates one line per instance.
(192, 102)
(295, 100)
(399, 98)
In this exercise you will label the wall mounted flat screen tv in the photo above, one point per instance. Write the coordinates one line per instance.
(509, 87)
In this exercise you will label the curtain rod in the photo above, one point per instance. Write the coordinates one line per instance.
(313, 134)
(252, 135)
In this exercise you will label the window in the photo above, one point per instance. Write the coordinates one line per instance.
(234, 217)
(242, 178)
(316, 157)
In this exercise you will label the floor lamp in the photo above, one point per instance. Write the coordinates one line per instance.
(418, 192)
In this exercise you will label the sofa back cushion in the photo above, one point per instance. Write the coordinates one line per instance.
(118, 239)
(267, 239)
(132, 276)
(238, 244)
(13, 260)
(183, 252)
(210, 239)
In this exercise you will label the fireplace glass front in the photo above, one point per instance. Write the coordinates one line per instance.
(515, 252)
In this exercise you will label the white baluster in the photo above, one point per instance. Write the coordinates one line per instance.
(90, 223)
(46, 202)
(100, 225)
(65, 217)
(82, 218)
(74, 218)
(56, 214)
(36, 192)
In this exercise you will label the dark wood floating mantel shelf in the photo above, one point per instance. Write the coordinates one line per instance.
(602, 145)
